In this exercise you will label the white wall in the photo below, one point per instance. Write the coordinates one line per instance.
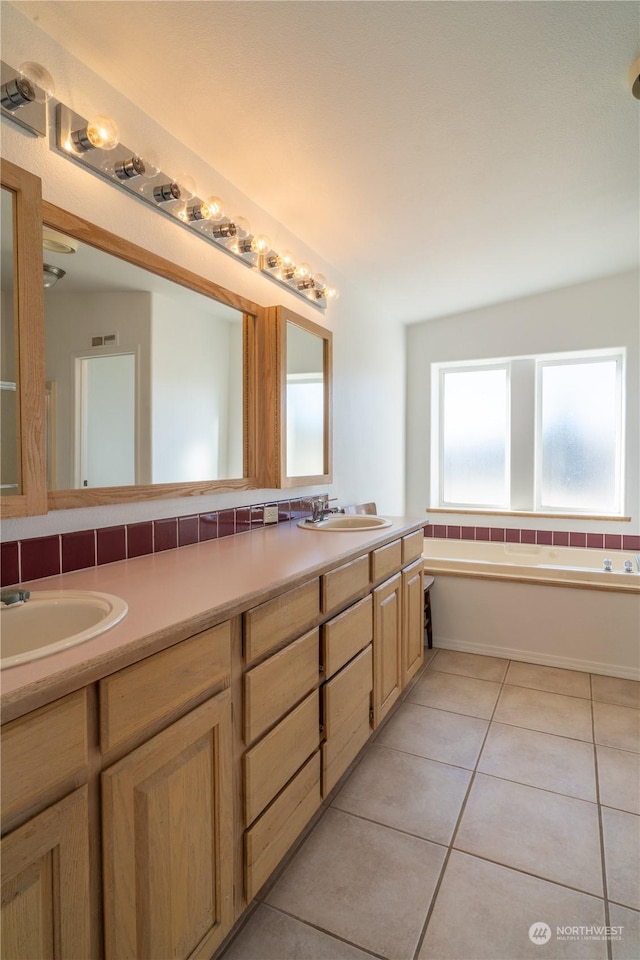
(598, 314)
(368, 346)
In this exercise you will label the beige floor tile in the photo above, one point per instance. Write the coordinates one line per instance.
(471, 665)
(540, 760)
(435, 734)
(619, 779)
(617, 726)
(271, 935)
(474, 698)
(628, 947)
(571, 683)
(409, 793)
(484, 911)
(621, 833)
(546, 712)
(626, 693)
(554, 837)
(364, 882)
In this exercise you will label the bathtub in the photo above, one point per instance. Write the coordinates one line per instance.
(550, 605)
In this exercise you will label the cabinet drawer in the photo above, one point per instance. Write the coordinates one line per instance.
(145, 693)
(280, 682)
(345, 745)
(344, 583)
(346, 635)
(386, 560)
(43, 750)
(280, 619)
(273, 761)
(342, 695)
(271, 836)
(412, 547)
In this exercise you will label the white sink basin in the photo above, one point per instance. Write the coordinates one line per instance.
(357, 521)
(52, 620)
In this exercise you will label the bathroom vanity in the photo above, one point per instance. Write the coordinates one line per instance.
(154, 777)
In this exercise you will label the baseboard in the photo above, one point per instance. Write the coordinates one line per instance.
(533, 656)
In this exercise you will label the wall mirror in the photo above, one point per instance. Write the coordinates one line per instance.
(303, 363)
(150, 373)
(22, 470)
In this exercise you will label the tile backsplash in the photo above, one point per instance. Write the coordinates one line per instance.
(556, 538)
(37, 557)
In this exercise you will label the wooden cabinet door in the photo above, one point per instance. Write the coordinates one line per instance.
(412, 619)
(387, 646)
(167, 836)
(45, 884)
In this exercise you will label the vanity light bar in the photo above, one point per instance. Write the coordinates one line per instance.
(22, 100)
(118, 165)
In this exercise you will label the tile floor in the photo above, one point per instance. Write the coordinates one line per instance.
(498, 796)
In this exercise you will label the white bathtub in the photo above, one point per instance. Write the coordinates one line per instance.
(549, 605)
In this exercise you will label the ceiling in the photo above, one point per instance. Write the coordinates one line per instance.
(442, 155)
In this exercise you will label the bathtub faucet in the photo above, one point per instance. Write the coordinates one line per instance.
(608, 566)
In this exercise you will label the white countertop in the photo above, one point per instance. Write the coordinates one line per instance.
(176, 593)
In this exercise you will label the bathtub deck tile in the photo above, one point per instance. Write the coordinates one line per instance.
(546, 712)
(571, 683)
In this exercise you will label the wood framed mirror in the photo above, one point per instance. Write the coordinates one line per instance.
(22, 400)
(302, 401)
(151, 375)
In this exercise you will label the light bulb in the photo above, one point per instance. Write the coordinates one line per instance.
(41, 79)
(288, 262)
(101, 133)
(302, 271)
(261, 244)
(215, 208)
(151, 165)
(186, 185)
(331, 293)
(242, 226)
(320, 281)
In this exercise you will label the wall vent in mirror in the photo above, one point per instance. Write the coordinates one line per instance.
(95, 145)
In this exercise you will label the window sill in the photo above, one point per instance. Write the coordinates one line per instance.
(470, 511)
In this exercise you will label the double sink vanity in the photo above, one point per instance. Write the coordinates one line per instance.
(154, 776)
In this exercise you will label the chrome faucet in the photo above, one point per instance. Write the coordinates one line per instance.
(320, 510)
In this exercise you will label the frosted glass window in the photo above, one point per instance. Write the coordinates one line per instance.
(579, 431)
(474, 437)
(305, 425)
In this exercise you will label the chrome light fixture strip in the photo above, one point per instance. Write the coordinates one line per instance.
(30, 115)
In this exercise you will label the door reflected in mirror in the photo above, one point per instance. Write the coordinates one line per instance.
(147, 376)
(9, 396)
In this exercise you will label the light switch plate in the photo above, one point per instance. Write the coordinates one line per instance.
(270, 515)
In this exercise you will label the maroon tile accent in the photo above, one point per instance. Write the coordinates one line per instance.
(284, 511)
(40, 557)
(613, 541)
(527, 536)
(226, 523)
(427, 530)
(257, 515)
(629, 542)
(165, 534)
(544, 537)
(561, 538)
(497, 534)
(512, 536)
(78, 550)
(188, 528)
(139, 539)
(453, 533)
(297, 509)
(577, 539)
(439, 530)
(482, 533)
(468, 533)
(208, 526)
(595, 540)
(249, 517)
(9, 565)
(111, 544)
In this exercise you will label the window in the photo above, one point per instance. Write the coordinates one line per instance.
(538, 433)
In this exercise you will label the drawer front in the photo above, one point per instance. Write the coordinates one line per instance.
(42, 750)
(273, 761)
(345, 745)
(346, 635)
(280, 682)
(143, 694)
(280, 619)
(348, 688)
(279, 826)
(386, 560)
(344, 583)
(412, 547)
